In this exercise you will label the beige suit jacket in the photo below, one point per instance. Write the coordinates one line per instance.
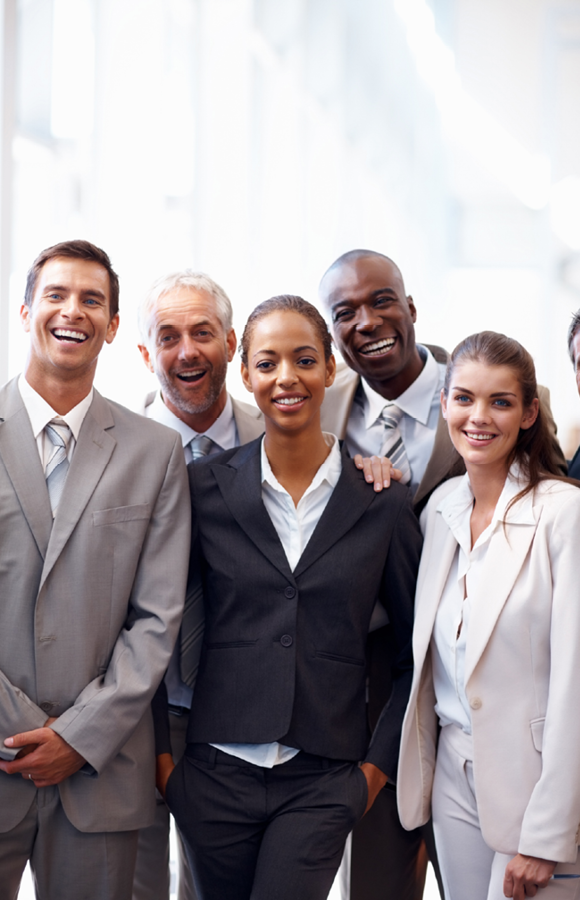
(90, 605)
(521, 677)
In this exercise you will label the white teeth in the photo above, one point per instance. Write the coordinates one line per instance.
(75, 335)
(476, 436)
(289, 401)
(378, 347)
(187, 375)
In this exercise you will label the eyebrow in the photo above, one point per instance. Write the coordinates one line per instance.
(95, 292)
(383, 290)
(198, 324)
(296, 350)
(496, 394)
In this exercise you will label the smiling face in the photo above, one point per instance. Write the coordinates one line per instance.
(484, 411)
(373, 322)
(286, 370)
(68, 321)
(189, 352)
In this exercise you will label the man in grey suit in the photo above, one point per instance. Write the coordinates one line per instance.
(386, 401)
(187, 341)
(95, 526)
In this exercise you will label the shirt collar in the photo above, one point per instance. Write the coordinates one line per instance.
(40, 412)
(222, 432)
(415, 402)
(455, 505)
(329, 471)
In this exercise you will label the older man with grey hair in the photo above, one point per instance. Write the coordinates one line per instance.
(187, 340)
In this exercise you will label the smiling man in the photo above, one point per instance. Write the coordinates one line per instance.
(187, 341)
(95, 524)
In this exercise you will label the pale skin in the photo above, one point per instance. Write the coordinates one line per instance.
(485, 412)
(68, 321)
(287, 372)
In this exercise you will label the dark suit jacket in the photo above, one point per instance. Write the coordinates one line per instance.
(574, 466)
(283, 657)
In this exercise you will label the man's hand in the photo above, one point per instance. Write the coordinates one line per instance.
(45, 758)
(525, 874)
(164, 766)
(376, 780)
(377, 469)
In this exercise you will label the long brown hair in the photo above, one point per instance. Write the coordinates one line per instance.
(535, 450)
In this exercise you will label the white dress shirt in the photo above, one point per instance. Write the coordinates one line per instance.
(295, 526)
(41, 413)
(420, 404)
(224, 435)
(223, 432)
(451, 629)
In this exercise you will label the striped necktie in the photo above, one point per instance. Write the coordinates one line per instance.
(56, 469)
(393, 446)
(193, 618)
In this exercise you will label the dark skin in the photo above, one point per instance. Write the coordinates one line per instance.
(368, 306)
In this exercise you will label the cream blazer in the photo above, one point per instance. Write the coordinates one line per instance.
(522, 676)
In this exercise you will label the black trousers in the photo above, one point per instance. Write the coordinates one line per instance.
(264, 834)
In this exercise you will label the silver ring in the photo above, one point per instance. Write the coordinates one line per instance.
(30, 776)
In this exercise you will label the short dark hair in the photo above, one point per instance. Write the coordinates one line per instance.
(572, 331)
(286, 303)
(74, 250)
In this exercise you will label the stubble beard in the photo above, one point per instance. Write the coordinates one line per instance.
(194, 405)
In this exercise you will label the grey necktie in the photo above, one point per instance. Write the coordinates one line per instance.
(200, 446)
(192, 622)
(57, 466)
(393, 445)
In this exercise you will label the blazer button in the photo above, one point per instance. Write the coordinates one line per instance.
(286, 640)
(46, 706)
(475, 703)
(290, 592)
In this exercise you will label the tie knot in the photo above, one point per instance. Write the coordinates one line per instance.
(59, 433)
(391, 415)
(200, 446)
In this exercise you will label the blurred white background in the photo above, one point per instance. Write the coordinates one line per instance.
(259, 139)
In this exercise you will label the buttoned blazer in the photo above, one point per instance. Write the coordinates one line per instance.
(445, 462)
(521, 676)
(90, 605)
(283, 656)
(249, 419)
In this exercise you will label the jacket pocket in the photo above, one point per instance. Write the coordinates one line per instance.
(537, 727)
(121, 514)
(334, 657)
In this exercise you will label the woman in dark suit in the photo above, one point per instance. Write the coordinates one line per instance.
(293, 550)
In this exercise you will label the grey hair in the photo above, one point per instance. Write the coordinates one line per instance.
(572, 330)
(187, 278)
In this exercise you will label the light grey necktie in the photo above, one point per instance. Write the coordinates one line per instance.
(393, 445)
(57, 466)
(200, 446)
(192, 622)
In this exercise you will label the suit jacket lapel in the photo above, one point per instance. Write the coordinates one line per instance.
(506, 555)
(20, 456)
(443, 463)
(349, 500)
(430, 585)
(240, 484)
(91, 456)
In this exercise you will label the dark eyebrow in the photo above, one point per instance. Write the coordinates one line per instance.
(385, 290)
(497, 393)
(296, 350)
(63, 288)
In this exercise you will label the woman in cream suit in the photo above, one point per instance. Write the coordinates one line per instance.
(497, 645)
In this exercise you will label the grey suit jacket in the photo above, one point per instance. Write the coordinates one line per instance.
(445, 461)
(249, 419)
(90, 605)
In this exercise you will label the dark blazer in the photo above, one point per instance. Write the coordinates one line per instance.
(283, 656)
(574, 466)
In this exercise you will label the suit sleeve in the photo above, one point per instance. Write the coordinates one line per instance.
(398, 594)
(106, 712)
(550, 827)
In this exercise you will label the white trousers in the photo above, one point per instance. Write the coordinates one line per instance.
(471, 870)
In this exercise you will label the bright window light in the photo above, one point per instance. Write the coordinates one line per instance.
(565, 211)
(525, 174)
(73, 69)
